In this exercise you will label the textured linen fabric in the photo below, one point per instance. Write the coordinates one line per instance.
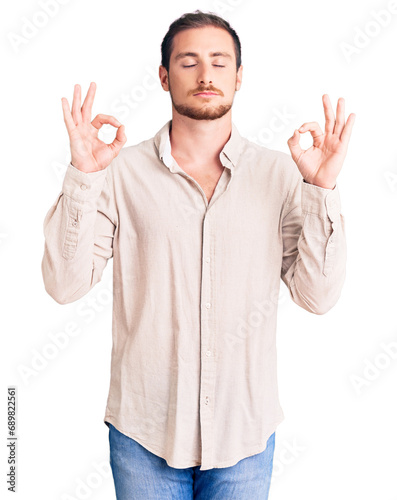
(195, 288)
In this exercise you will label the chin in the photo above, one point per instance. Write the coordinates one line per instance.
(206, 113)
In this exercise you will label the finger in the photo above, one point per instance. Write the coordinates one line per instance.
(340, 116)
(294, 146)
(347, 130)
(76, 105)
(119, 140)
(67, 116)
(329, 115)
(101, 119)
(312, 127)
(87, 104)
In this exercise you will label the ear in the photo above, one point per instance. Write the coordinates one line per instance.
(239, 77)
(163, 75)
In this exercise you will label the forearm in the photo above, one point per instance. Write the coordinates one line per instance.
(72, 262)
(317, 267)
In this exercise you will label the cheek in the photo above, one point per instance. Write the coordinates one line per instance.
(180, 82)
(228, 88)
(227, 81)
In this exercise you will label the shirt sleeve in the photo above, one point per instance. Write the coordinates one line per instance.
(314, 246)
(78, 230)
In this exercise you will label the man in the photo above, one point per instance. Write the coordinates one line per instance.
(201, 224)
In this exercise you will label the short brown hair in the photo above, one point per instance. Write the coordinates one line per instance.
(196, 19)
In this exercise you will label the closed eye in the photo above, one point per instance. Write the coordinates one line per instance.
(191, 66)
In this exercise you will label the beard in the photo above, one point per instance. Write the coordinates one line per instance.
(205, 113)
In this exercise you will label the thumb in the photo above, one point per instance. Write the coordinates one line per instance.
(119, 140)
(294, 146)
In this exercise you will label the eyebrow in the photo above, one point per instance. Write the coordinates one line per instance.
(194, 54)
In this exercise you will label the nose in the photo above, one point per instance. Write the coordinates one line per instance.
(204, 75)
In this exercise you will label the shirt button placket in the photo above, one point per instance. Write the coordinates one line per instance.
(207, 381)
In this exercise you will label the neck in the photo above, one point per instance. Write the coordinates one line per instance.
(199, 141)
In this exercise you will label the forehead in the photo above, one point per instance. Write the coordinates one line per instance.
(203, 40)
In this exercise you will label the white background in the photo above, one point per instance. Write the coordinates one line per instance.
(342, 432)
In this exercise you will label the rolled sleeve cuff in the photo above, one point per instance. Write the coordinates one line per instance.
(81, 186)
(321, 201)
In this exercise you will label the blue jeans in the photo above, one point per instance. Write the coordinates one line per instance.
(139, 474)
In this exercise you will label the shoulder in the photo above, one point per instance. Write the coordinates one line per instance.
(132, 159)
(269, 160)
(142, 149)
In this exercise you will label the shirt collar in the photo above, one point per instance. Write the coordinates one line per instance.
(229, 155)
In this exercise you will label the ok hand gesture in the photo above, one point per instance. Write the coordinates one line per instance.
(322, 162)
(90, 154)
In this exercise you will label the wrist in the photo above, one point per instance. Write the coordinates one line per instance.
(322, 185)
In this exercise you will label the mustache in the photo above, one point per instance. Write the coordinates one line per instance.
(208, 89)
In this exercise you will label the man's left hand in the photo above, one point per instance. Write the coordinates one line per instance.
(322, 162)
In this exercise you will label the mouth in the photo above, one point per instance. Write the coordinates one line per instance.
(205, 94)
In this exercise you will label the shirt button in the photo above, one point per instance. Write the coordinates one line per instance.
(208, 353)
(83, 187)
(207, 259)
(74, 223)
(207, 400)
(207, 305)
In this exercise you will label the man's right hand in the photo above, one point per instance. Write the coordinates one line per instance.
(90, 154)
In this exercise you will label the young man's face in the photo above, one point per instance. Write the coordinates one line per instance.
(203, 70)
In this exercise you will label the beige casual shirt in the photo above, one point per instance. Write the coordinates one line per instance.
(195, 288)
